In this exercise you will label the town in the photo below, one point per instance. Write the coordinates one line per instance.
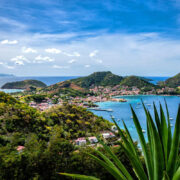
(100, 94)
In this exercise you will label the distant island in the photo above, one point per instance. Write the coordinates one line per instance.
(26, 84)
(6, 75)
(87, 91)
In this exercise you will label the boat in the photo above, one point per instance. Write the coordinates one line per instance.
(138, 103)
(148, 104)
(122, 100)
(143, 130)
(171, 125)
(131, 117)
(99, 109)
(109, 110)
(170, 118)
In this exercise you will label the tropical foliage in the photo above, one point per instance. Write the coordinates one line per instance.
(47, 141)
(160, 153)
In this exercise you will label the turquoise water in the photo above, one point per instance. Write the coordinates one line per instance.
(11, 90)
(121, 110)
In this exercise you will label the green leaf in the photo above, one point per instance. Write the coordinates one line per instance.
(174, 147)
(143, 145)
(177, 175)
(116, 160)
(158, 158)
(169, 131)
(110, 169)
(164, 134)
(137, 166)
(110, 163)
(81, 177)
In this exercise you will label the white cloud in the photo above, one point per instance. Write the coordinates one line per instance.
(41, 59)
(6, 65)
(53, 50)
(6, 41)
(94, 53)
(60, 67)
(19, 60)
(28, 50)
(87, 66)
(72, 61)
(144, 54)
(76, 54)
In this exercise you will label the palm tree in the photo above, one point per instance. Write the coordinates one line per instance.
(160, 152)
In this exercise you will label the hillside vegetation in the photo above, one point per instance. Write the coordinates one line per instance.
(74, 121)
(65, 88)
(46, 139)
(173, 81)
(98, 79)
(24, 84)
(81, 86)
(135, 81)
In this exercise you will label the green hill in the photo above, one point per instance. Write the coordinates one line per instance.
(105, 78)
(67, 88)
(80, 86)
(24, 84)
(173, 81)
(135, 81)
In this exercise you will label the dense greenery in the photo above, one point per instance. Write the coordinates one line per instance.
(173, 81)
(24, 84)
(47, 140)
(76, 121)
(98, 79)
(160, 153)
(136, 81)
(38, 98)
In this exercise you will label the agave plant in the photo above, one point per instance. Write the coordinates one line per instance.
(160, 152)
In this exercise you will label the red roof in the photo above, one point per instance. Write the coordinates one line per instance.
(19, 148)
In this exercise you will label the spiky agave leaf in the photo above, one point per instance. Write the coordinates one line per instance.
(173, 156)
(79, 176)
(148, 160)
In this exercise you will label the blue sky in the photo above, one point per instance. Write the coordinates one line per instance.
(75, 37)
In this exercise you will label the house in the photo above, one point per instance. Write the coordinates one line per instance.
(80, 141)
(107, 135)
(93, 140)
(20, 148)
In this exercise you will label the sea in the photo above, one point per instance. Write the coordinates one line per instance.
(120, 110)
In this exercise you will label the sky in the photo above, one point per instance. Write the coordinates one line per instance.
(79, 37)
